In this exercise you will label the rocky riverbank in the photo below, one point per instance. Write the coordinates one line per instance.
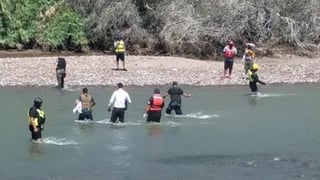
(150, 70)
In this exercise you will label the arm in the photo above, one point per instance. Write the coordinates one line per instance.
(93, 103)
(33, 118)
(186, 94)
(128, 98)
(167, 94)
(261, 82)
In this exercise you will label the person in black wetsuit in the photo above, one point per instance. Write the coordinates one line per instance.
(175, 98)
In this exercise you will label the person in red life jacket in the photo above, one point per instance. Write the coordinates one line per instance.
(229, 52)
(154, 107)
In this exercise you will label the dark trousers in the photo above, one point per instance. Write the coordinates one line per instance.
(154, 116)
(86, 114)
(35, 135)
(253, 86)
(117, 113)
(174, 106)
(60, 77)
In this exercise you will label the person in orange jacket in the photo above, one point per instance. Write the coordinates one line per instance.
(154, 107)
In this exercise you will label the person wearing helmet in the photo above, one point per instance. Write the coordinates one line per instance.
(229, 52)
(253, 78)
(120, 49)
(36, 120)
(248, 56)
(154, 107)
(175, 98)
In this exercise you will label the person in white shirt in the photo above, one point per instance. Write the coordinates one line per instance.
(119, 101)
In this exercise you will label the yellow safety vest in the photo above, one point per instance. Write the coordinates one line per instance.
(38, 120)
(120, 48)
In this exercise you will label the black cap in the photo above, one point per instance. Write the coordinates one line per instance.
(156, 90)
(37, 102)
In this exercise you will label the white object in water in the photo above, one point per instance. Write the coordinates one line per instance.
(78, 108)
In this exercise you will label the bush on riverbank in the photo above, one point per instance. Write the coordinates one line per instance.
(197, 28)
(43, 24)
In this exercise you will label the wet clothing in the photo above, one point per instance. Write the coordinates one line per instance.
(119, 100)
(155, 105)
(87, 102)
(154, 116)
(120, 50)
(61, 71)
(117, 113)
(39, 118)
(253, 80)
(175, 102)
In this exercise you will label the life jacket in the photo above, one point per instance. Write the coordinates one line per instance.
(250, 76)
(38, 120)
(230, 53)
(250, 53)
(86, 101)
(120, 46)
(157, 103)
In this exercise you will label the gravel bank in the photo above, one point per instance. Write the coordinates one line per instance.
(149, 70)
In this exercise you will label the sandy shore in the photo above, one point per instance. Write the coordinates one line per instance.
(150, 70)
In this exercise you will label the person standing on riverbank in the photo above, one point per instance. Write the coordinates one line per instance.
(154, 107)
(175, 98)
(248, 56)
(120, 49)
(254, 79)
(61, 71)
(119, 101)
(87, 102)
(36, 120)
(229, 53)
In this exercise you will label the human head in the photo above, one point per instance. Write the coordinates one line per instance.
(174, 83)
(255, 67)
(37, 102)
(118, 37)
(120, 85)
(156, 90)
(230, 43)
(85, 90)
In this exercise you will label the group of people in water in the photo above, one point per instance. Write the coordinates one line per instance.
(120, 98)
(118, 104)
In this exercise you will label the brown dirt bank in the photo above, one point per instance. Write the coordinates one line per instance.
(151, 70)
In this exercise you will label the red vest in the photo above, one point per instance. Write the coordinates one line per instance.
(229, 53)
(157, 103)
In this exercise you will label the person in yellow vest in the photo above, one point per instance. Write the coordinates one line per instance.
(254, 79)
(36, 120)
(248, 56)
(120, 49)
(87, 103)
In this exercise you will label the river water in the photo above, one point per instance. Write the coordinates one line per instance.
(224, 134)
